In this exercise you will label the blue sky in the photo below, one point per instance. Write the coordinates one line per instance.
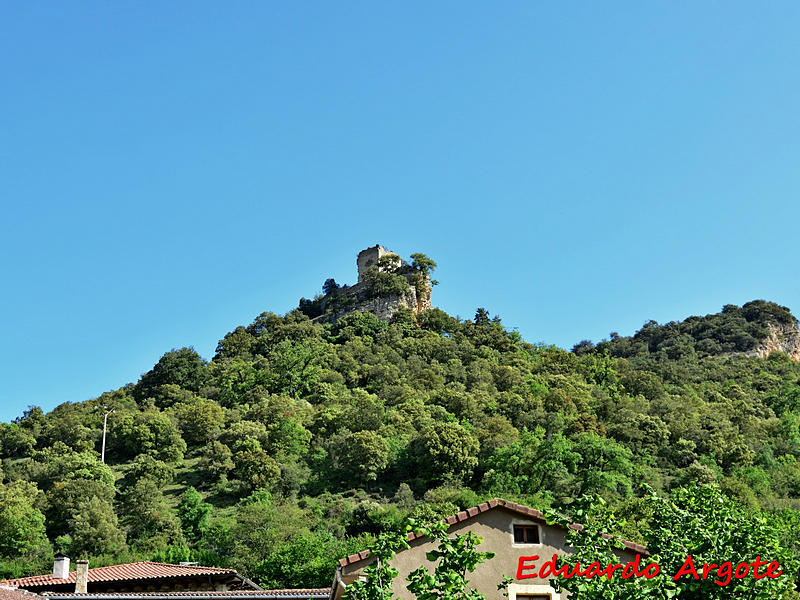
(170, 170)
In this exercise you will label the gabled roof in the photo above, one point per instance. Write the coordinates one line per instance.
(300, 593)
(492, 504)
(126, 572)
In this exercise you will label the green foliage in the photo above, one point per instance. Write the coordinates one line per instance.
(697, 521)
(379, 574)
(421, 279)
(193, 513)
(258, 528)
(149, 432)
(145, 466)
(358, 324)
(253, 466)
(182, 367)
(735, 329)
(341, 431)
(216, 461)
(593, 544)
(330, 286)
(423, 264)
(94, 529)
(455, 558)
(702, 522)
(294, 367)
(199, 420)
(307, 560)
(16, 440)
(446, 451)
(361, 455)
(60, 463)
(150, 523)
(379, 283)
(22, 529)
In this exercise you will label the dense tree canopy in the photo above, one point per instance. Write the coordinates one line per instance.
(319, 437)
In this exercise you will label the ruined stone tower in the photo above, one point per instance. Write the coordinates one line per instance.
(370, 256)
(363, 296)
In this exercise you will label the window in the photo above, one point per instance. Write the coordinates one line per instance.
(526, 534)
(534, 597)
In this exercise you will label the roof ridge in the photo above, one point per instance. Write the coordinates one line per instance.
(163, 564)
(143, 569)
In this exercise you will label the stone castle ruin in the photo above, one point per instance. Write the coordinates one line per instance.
(369, 257)
(386, 283)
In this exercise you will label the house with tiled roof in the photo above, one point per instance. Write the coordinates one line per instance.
(281, 594)
(145, 581)
(508, 529)
(132, 577)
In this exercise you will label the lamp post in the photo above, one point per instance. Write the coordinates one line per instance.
(106, 411)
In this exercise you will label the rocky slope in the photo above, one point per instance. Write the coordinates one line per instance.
(782, 337)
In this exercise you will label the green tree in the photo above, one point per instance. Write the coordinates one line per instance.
(63, 498)
(605, 466)
(294, 367)
(150, 523)
(424, 265)
(235, 343)
(362, 455)
(193, 513)
(254, 467)
(61, 463)
(216, 461)
(330, 286)
(182, 367)
(94, 529)
(378, 283)
(145, 466)
(698, 521)
(482, 317)
(446, 451)
(200, 420)
(16, 440)
(455, 558)
(701, 521)
(22, 529)
(592, 544)
(150, 432)
(260, 526)
(307, 560)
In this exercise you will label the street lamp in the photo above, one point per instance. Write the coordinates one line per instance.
(106, 411)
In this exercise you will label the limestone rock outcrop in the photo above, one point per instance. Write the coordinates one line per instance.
(782, 337)
(346, 300)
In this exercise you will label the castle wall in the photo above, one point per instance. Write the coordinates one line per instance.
(356, 298)
(369, 257)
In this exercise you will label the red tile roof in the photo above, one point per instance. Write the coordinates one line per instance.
(126, 572)
(10, 593)
(494, 503)
(266, 594)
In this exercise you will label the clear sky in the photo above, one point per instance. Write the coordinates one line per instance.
(170, 170)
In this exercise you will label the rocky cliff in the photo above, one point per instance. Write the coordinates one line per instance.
(782, 337)
(386, 284)
(382, 306)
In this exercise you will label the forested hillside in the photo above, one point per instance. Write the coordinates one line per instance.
(299, 441)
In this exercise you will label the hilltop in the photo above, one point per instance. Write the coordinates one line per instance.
(757, 328)
(305, 435)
